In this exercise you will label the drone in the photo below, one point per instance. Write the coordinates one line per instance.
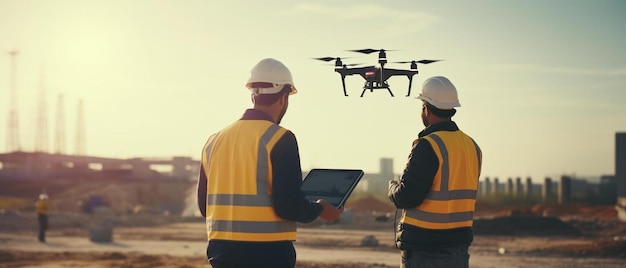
(375, 76)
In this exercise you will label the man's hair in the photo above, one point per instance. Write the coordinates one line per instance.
(439, 112)
(269, 99)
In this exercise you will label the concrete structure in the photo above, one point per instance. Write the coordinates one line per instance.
(509, 186)
(591, 190)
(378, 182)
(528, 187)
(496, 185)
(546, 191)
(620, 174)
(386, 166)
(564, 190)
(26, 165)
(518, 189)
(486, 187)
(608, 189)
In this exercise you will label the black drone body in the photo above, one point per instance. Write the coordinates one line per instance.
(375, 76)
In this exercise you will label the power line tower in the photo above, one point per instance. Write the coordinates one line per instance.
(80, 130)
(60, 127)
(41, 134)
(13, 143)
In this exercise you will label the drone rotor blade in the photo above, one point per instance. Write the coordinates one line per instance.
(328, 59)
(417, 61)
(370, 50)
(365, 51)
(346, 64)
(427, 61)
(325, 59)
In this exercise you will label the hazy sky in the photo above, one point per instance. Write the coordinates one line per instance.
(542, 83)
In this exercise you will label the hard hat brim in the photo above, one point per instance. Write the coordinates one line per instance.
(270, 90)
(439, 105)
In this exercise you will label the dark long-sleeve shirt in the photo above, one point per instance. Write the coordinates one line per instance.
(410, 192)
(420, 170)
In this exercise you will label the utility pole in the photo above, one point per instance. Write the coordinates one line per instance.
(13, 143)
(80, 130)
(41, 134)
(60, 127)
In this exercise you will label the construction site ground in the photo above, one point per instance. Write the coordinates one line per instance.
(152, 234)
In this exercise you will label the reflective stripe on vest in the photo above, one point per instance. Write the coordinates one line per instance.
(244, 226)
(457, 199)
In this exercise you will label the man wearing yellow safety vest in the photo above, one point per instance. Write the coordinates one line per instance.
(41, 207)
(437, 190)
(250, 178)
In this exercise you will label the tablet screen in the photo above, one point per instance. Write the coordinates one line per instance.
(332, 185)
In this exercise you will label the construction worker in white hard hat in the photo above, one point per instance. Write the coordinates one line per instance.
(250, 177)
(437, 190)
(41, 207)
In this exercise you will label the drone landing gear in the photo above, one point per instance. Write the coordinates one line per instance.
(372, 90)
(371, 86)
(343, 82)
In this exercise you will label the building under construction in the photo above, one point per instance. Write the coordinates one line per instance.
(36, 165)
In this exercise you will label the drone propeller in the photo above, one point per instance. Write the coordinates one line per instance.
(325, 59)
(328, 59)
(338, 63)
(369, 50)
(418, 61)
(346, 64)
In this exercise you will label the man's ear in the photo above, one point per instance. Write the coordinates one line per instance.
(283, 99)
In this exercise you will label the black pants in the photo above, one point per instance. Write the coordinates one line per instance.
(43, 226)
(444, 257)
(235, 254)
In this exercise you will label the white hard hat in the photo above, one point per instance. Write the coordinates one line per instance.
(440, 92)
(270, 71)
(43, 196)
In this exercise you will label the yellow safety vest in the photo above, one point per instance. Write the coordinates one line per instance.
(452, 198)
(238, 169)
(42, 206)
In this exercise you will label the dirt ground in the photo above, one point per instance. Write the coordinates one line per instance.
(177, 242)
(573, 235)
(180, 245)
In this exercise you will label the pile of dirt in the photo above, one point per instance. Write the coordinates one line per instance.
(370, 204)
(599, 227)
(564, 211)
(600, 248)
(576, 210)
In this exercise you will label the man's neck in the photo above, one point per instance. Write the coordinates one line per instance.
(269, 111)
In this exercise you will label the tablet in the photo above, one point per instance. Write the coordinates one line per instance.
(332, 185)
